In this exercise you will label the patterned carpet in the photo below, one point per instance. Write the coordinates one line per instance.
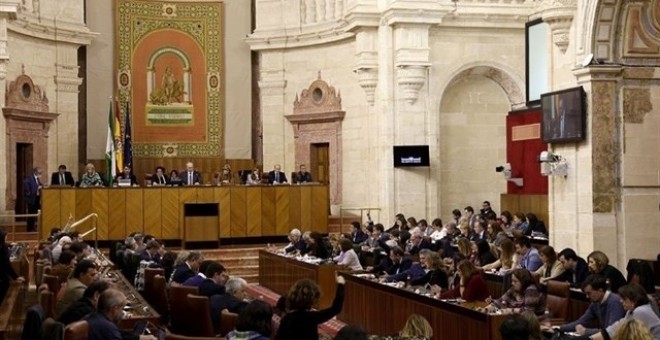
(331, 327)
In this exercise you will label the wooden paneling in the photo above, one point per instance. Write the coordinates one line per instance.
(170, 212)
(238, 212)
(100, 207)
(254, 216)
(152, 212)
(244, 211)
(537, 204)
(268, 211)
(279, 274)
(67, 205)
(222, 196)
(117, 217)
(282, 223)
(50, 218)
(320, 208)
(134, 210)
(454, 321)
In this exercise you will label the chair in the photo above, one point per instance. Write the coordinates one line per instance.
(149, 274)
(557, 297)
(180, 314)
(228, 322)
(78, 330)
(159, 297)
(47, 302)
(52, 282)
(33, 322)
(199, 306)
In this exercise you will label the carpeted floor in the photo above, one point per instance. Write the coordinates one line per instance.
(330, 327)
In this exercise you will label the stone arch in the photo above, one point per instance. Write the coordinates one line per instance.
(511, 84)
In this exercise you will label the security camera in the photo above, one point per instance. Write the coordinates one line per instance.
(548, 157)
(503, 168)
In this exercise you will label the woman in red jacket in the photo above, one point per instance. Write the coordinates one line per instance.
(472, 285)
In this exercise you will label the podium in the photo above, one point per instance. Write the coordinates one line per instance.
(200, 221)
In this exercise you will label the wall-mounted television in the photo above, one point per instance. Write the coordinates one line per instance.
(564, 116)
(411, 155)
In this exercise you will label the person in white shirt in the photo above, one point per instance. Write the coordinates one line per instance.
(347, 257)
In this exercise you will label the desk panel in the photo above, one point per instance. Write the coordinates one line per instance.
(245, 211)
(279, 273)
(371, 305)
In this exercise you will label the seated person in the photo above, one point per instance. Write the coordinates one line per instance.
(86, 304)
(434, 268)
(81, 249)
(102, 324)
(515, 328)
(83, 275)
(551, 267)
(277, 176)
(484, 255)
(640, 272)
(62, 177)
(254, 177)
(214, 283)
(90, 178)
(159, 178)
(418, 242)
(126, 175)
(195, 281)
(399, 263)
(523, 295)
(637, 306)
(296, 243)
(316, 246)
(347, 257)
(507, 259)
(605, 308)
(188, 269)
(472, 284)
(175, 180)
(575, 268)
(254, 322)
(64, 266)
(224, 177)
(416, 327)
(357, 235)
(529, 256)
(152, 253)
(302, 176)
(598, 263)
(233, 300)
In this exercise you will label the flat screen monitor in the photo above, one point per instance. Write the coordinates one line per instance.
(411, 155)
(564, 116)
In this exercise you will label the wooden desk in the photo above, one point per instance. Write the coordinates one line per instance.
(383, 310)
(279, 273)
(577, 304)
(11, 311)
(141, 311)
(245, 211)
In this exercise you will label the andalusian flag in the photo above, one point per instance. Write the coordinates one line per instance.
(110, 160)
(116, 131)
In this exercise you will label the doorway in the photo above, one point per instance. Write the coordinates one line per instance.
(24, 166)
(320, 162)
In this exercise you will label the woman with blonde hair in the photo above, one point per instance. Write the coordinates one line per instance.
(507, 259)
(599, 264)
(416, 327)
(465, 248)
(551, 267)
(633, 330)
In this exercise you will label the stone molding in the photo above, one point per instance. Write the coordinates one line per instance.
(27, 121)
(558, 14)
(411, 79)
(65, 32)
(317, 118)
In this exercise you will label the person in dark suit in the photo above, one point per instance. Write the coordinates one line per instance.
(302, 176)
(190, 176)
(576, 267)
(86, 305)
(216, 278)
(32, 195)
(417, 243)
(127, 175)
(62, 177)
(233, 300)
(358, 236)
(479, 232)
(277, 176)
(400, 263)
(188, 269)
(7, 273)
(159, 178)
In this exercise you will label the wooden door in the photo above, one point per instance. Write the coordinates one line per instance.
(320, 162)
(24, 165)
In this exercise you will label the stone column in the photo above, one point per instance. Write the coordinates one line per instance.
(8, 11)
(271, 88)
